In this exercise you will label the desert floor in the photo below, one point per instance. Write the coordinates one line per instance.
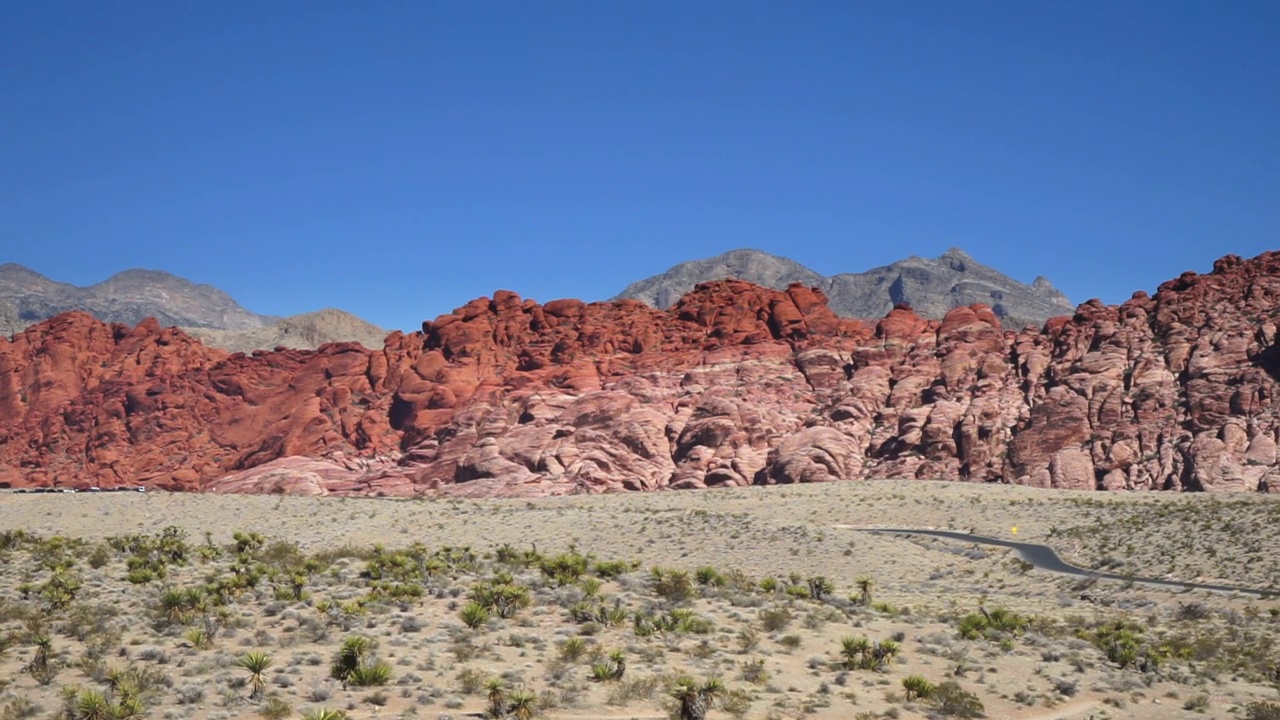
(316, 580)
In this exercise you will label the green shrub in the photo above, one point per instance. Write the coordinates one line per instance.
(709, 576)
(503, 597)
(611, 568)
(572, 649)
(275, 709)
(753, 671)
(611, 668)
(565, 568)
(473, 615)
(951, 700)
(775, 619)
(371, 674)
(672, 585)
(354, 652)
(916, 686)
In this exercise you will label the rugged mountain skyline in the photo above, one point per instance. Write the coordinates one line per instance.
(127, 297)
(204, 311)
(930, 286)
(735, 385)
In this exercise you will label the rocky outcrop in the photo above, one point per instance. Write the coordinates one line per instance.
(736, 384)
(931, 286)
(296, 332)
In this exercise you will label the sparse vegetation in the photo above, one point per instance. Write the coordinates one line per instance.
(250, 623)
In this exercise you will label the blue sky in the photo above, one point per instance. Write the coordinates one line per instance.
(396, 159)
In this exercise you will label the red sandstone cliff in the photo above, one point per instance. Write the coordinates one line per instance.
(736, 384)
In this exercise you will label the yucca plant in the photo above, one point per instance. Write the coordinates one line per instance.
(601, 672)
(865, 586)
(611, 568)
(614, 616)
(255, 663)
(916, 686)
(572, 649)
(370, 674)
(41, 669)
(501, 595)
(61, 589)
(247, 542)
(611, 668)
(127, 707)
(93, 705)
(522, 704)
(709, 576)
(695, 699)
(619, 663)
(199, 638)
(176, 605)
(589, 586)
(473, 615)
(820, 587)
(496, 693)
(858, 653)
(886, 651)
(565, 568)
(350, 656)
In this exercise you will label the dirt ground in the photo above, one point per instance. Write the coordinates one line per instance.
(777, 652)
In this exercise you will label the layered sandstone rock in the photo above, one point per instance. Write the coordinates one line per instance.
(735, 384)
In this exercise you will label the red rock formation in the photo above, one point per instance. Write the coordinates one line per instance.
(734, 385)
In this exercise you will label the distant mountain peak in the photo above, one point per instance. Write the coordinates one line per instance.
(128, 297)
(10, 270)
(756, 266)
(930, 285)
(146, 274)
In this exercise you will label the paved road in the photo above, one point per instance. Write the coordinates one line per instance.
(1046, 558)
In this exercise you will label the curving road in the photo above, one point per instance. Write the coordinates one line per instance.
(1046, 558)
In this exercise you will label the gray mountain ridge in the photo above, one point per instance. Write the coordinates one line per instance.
(128, 297)
(930, 286)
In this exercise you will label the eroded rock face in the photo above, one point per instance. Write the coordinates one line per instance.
(734, 385)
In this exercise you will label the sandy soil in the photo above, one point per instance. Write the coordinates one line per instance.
(1053, 669)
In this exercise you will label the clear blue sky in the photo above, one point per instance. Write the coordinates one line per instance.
(396, 159)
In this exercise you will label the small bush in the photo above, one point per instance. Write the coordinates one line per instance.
(672, 585)
(917, 686)
(1199, 703)
(275, 709)
(775, 619)
(753, 671)
(572, 649)
(951, 700)
(1262, 711)
(371, 674)
(474, 615)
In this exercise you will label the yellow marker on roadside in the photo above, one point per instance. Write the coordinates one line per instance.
(1015, 530)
